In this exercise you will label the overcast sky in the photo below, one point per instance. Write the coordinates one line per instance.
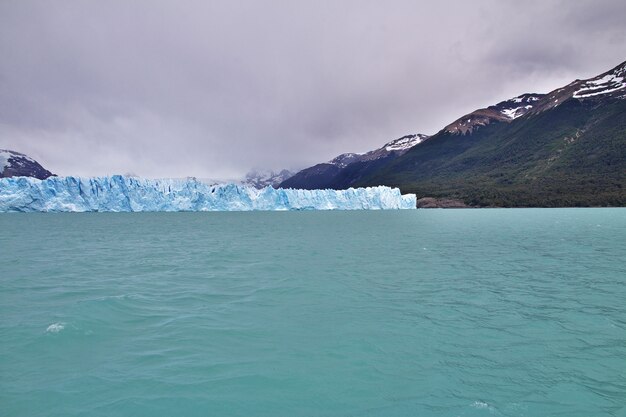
(214, 88)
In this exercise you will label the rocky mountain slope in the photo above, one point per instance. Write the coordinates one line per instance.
(564, 148)
(15, 164)
(347, 168)
(504, 111)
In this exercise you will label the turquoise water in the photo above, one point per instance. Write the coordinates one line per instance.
(420, 313)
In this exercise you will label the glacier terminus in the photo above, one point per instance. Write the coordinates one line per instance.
(128, 194)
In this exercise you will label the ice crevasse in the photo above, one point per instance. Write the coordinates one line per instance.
(121, 194)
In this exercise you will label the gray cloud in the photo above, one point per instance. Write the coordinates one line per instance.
(212, 89)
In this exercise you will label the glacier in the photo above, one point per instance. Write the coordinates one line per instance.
(128, 194)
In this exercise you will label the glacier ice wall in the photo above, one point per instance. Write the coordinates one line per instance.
(118, 193)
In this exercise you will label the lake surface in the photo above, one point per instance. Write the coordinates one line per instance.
(501, 312)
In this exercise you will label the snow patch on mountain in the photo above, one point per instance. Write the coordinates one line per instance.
(405, 143)
(524, 98)
(397, 146)
(504, 111)
(8, 157)
(15, 164)
(512, 109)
(603, 84)
(515, 112)
(345, 159)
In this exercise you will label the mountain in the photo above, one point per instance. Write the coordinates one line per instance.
(262, 178)
(345, 169)
(564, 148)
(15, 164)
(505, 111)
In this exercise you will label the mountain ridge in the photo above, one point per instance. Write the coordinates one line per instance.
(563, 148)
(325, 173)
(567, 150)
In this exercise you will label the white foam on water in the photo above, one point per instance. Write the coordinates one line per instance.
(55, 328)
(481, 405)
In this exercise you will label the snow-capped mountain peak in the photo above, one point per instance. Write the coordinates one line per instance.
(607, 83)
(611, 84)
(405, 142)
(15, 164)
(396, 146)
(606, 86)
(318, 176)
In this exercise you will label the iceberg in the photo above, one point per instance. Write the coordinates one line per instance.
(124, 194)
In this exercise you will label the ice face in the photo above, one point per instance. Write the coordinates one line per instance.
(118, 193)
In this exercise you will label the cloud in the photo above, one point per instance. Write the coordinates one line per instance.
(212, 89)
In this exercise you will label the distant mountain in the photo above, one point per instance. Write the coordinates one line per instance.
(263, 178)
(564, 148)
(15, 164)
(345, 169)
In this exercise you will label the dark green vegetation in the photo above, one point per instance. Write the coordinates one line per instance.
(571, 155)
(566, 148)
(322, 176)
